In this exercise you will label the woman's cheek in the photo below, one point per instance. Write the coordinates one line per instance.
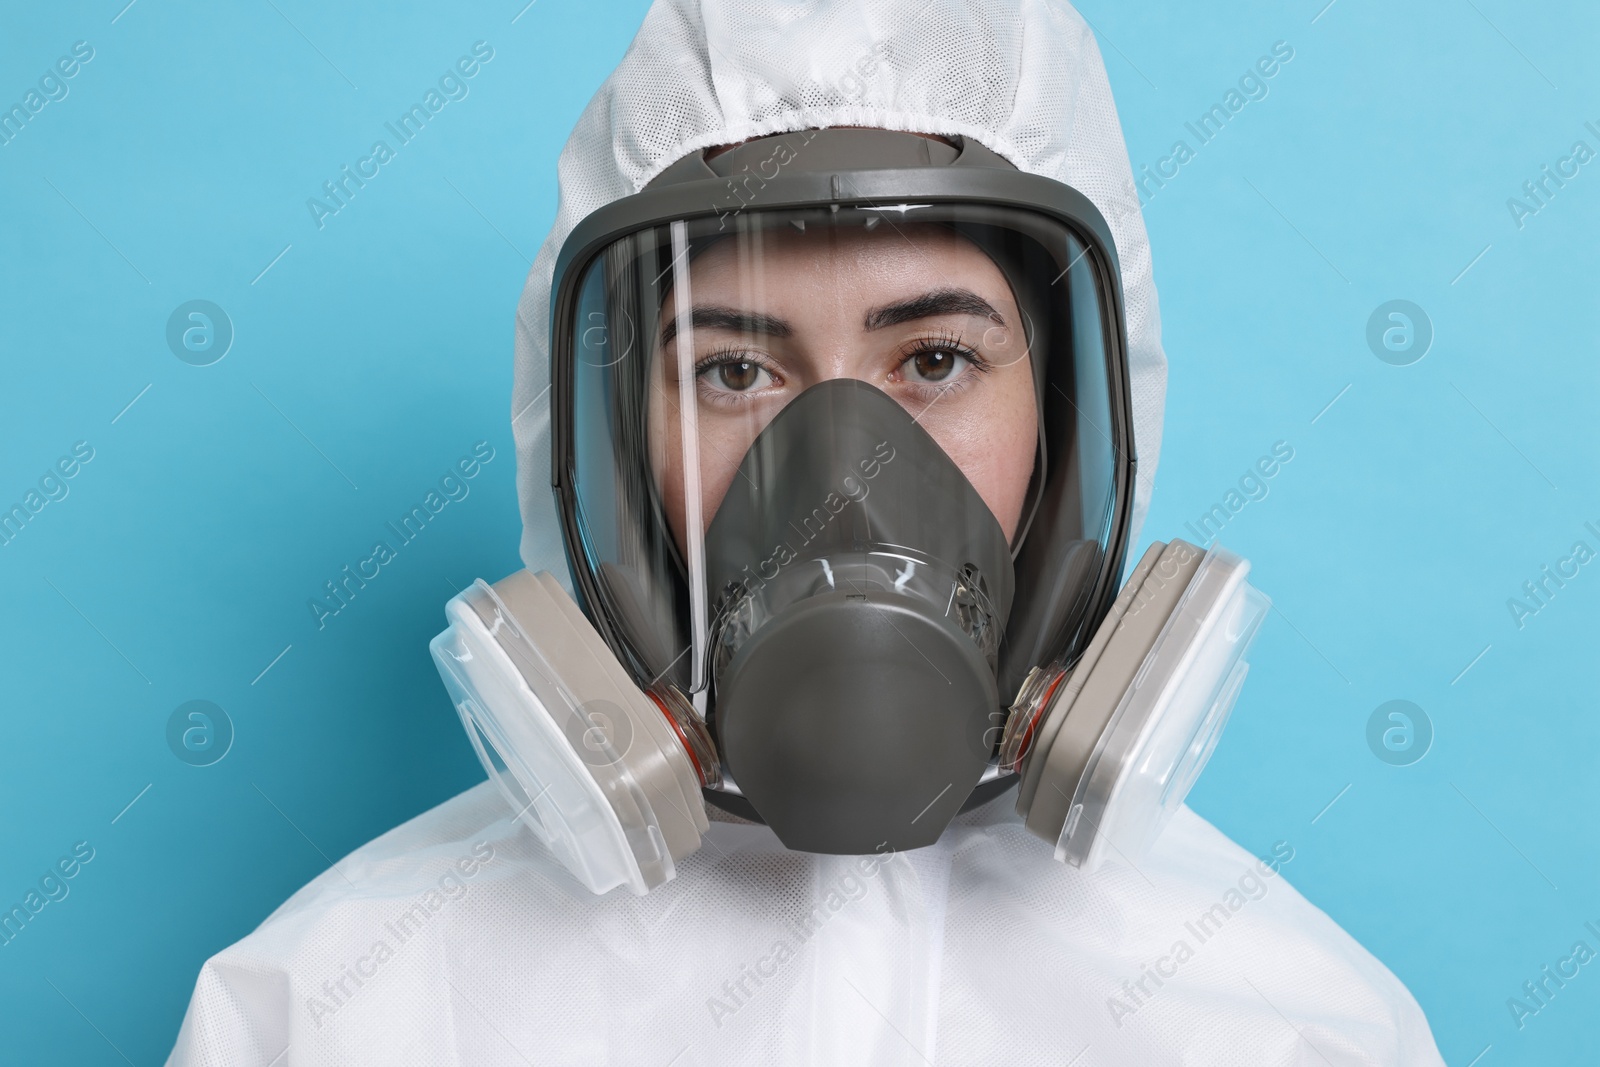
(716, 474)
(994, 446)
(723, 445)
(666, 462)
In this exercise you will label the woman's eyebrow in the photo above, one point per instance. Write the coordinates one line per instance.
(934, 302)
(712, 317)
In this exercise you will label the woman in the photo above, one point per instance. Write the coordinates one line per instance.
(790, 418)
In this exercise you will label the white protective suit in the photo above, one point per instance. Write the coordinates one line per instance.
(457, 939)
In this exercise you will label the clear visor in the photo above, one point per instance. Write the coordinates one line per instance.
(685, 344)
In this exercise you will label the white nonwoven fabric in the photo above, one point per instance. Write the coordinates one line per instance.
(1023, 77)
(457, 939)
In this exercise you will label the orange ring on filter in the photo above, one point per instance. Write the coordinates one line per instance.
(1039, 707)
(696, 747)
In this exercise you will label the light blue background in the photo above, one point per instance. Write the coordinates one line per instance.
(377, 350)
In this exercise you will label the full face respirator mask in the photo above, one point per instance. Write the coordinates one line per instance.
(843, 457)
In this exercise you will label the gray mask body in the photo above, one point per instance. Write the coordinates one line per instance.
(859, 589)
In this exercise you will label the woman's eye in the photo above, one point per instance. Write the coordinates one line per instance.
(933, 365)
(735, 375)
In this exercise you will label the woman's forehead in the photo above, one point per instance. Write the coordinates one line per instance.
(782, 264)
